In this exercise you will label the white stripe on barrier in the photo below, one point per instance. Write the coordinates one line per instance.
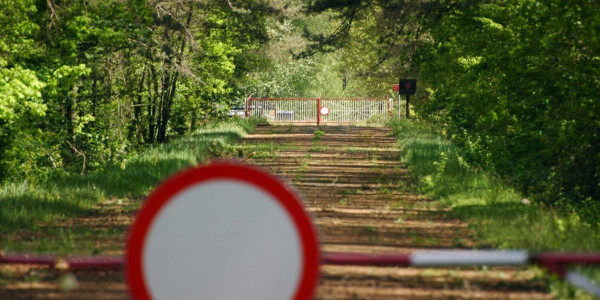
(582, 282)
(468, 257)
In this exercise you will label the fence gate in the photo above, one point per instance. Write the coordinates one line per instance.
(319, 110)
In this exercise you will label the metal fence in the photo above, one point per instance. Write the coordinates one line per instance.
(319, 110)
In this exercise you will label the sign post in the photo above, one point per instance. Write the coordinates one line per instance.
(319, 111)
(407, 87)
(223, 231)
(408, 106)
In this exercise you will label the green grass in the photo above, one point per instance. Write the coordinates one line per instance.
(261, 150)
(495, 211)
(30, 212)
(303, 167)
(318, 135)
(319, 148)
(376, 120)
(360, 149)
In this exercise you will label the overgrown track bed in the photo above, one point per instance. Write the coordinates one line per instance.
(359, 194)
(361, 198)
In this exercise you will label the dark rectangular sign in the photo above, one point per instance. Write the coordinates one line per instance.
(408, 86)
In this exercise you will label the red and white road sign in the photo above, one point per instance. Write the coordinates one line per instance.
(223, 231)
(324, 110)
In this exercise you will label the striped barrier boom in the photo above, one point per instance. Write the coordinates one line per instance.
(557, 263)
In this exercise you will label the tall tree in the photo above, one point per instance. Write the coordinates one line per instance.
(111, 76)
(515, 82)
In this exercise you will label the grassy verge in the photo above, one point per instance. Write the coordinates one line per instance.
(500, 216)
(35, 217)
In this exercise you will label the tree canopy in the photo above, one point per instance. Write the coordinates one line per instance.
(86, 83)
(515, 82)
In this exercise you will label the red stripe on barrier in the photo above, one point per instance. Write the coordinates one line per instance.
(557, 262)
(570, 258)
(366, 259)
(71, 263)
(23, 259)
(105, 263)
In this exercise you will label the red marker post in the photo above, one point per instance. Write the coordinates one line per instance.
(223, 231)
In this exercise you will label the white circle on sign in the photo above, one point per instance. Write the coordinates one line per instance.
(222, 231)
(324, 110)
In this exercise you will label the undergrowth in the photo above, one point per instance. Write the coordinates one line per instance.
(318, 135)
(24, 206)
(499, 215)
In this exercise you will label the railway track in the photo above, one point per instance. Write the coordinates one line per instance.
(360, 197)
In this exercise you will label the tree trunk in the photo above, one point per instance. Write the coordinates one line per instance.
(152, 105)
(136, 126)
(170, 86)
(163, 113)
(94, 96)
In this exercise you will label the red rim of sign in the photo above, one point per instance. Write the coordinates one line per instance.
(167, 190)
(324, 110)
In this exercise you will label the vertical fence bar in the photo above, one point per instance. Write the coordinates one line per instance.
(399, 109)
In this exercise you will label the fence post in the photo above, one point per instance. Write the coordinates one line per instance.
(389, 101)
(399, 108)
(248, 102)
(319, 111)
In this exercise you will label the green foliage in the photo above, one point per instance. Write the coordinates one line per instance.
(318, 135)
(498, 214)
(20, 87)
(87, 84)
(18, 30)
(20, 94)
(520, 96)
(20, 105)
(26, 205)
(335, 74)
(375, 42)
(513, 82)
(487, 202)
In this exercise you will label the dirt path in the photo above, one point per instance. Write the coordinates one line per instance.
(359, 195)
